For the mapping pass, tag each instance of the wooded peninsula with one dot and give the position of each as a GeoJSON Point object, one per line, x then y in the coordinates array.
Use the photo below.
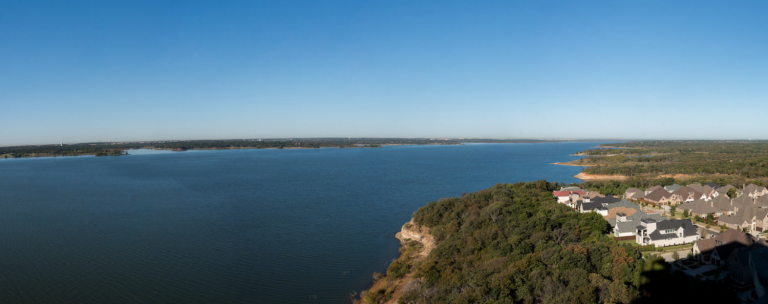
{"type": "Point", "coordinates": [513, 243]}
{"type": "Point", "coordinates": [725, 162]}
{"type": "Point", "coordinates": [119, 148]}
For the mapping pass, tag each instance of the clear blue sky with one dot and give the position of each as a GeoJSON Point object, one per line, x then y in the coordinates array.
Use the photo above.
{"type": "Point", "coordinates": [75, 71]}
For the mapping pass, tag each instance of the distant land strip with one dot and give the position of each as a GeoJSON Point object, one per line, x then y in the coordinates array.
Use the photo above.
{"type": "Point", "coordinates": [120, 148]}
{"type": "Point", "coordinates": [726, 161]}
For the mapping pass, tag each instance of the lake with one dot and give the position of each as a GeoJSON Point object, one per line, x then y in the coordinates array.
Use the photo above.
{"type": "Point", "coordinates": [232, 226]}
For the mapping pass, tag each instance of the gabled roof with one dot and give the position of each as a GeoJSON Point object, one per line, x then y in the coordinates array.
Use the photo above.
{"type": "Point", "coordinates": [743, 201]}
{"type": "Point", "coordinates": [593, 194]}
{"type": "Point", "coordinates": [762, 202]}
{"type": "Point", "coordinates": [633, 221]}
{"type": "Point", "coordinates": [713, 185]}
{"type": "Point", "coordinates": [699, 206]}
{"type": "Point", "coordinates": [707, 190]}
{"type": "Point", "coordinates": [706, 245]}
{"type": "Point", "coordinates": [567, 193]}
{"type": "Point", "coordinates": [634, 193]}
{"type": "Point", "coordinates": [731, 240]}
{"type": "Point", "coordinates": [657, 195]}
{"type": "Point", "coordinates": [572, 188]}
{"type": "Point", "coordinates": [686, 192]}
{"type": "Point", "coordinates": [688, 229]}
{"type": "Point", "coordinates": [697, 187]}
{"type": "Point", "coordinates": [732, 219]}
{"type": "Point", "coordinates": [752, 188]}
{"type": "Point", "coordinates": [623, 206]}
{"type": "Point", "coordinates": [672, 188]}
{"type": "Point", "coordinates": [609, 199]}
{"type": "Point", "coordinates": [589, 206]}
{"type": "Point", "coordinates": [653, 188]}
{"type": "Point", "coordinates": [723, 203]}
{"type": "Point", "coordinates": [724, 189]}
{"type": "Point", "coordinates": [727, 237]}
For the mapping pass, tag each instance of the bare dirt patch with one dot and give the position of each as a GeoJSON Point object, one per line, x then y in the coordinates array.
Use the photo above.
{"type": "Point", "coordinates": [599, 177]}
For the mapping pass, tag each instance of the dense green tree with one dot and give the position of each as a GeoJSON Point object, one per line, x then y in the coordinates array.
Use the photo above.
{"type": "Point", "coordinates": [516, 244]}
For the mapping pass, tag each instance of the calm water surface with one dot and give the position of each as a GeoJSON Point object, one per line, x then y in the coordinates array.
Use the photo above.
{"type": "Point", "coordinates": [234, 226]}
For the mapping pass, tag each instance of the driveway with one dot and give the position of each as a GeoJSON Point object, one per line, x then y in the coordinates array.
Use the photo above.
{"type": "Point", "coordinates": [670, 258]}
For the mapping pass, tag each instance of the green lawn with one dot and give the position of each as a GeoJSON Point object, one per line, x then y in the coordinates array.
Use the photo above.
{"type": "Point", "coordinates": [678, 247]}
{"type": "Point", "coordinates": [627, 242]}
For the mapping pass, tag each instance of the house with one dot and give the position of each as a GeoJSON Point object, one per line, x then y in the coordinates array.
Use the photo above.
{"type": "Point", "coordinates": [597, 204]}
{"type": "Point", "coordinates": [672, 188]}
{"type": "Point", "coordinates": [665, 233]}
{"type": "Point", "coordinates": [738, 263]}
{"type": "Point", "coordinates": [686, 194]}
{"type": "Point", "coordinates": [592, 194]}
{"type": "Point", "coordinates": [564, 197]}
{"type": "Point", "coordinates": [624, 225]}
{"type": "Point", "coordinates": [753, 191]}
{"type": "Point", "coordinates": [623, 206]}
{"type": "Point", "coordinates": [761, 202]}
{"type": "Point", "coordinates": [651, 189]}
{"type": "Point", "coordinates": [700, 208]}
{"type": "Point", "coordinates": [717, 249]}
{"type": "Point", "coordinates": [750, 219]}
{"type": "Point", "coordinates": [658, 196]}
{"type": "Point", "coordinates": [758, 265]}
{"type": "Point", "coordinates": [708, 191]}
{"type": "Point", "coordinates": [697, 187]}
{"type": "Point", "coordinates": [722, 190]}
{"type": "Point", "coordinates": [712, 185]}
{"type": "Point", "coordinates": [742, 201]}
{"type": "Point", "coordinates": [634, 193]}
{"type": "Point", "coordinates": [572, 188]}
{"type": "Point", "coordinates": [724, 204]}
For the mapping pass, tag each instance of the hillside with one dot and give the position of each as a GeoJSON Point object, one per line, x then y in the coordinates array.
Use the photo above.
{"type": "Point", "coordinates": [513, 243]}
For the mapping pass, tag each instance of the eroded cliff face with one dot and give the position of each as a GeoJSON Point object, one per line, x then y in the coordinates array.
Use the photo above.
{"type": "Point", "coordinates": [412, 231]}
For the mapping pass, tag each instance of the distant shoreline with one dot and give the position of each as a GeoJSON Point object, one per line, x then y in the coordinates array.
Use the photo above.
{"type": "Point", "coordinates": [569, 164]}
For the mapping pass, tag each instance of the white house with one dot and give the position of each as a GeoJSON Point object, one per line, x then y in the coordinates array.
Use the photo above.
{"type": "Point", "coordinates": [665, 233]}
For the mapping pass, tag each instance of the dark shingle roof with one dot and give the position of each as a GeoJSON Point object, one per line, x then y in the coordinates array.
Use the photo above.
{"type": "Point", "coordinates": [724, 189]}
{"type": "Point", "coordinates": [686, 191]}
{"type": "Point", "coordinates": [605, 200]}
{"type": "Point", "coordinates": [713, 185]}
{"type": "Point", "coordinates": [697, 187]}
{"type": "Point", "coordinates": [657, 195]}
{"type": "Point", "coordinates": [688, 229]}
{"type": "Point", "coordinates": [723, 203]}
{"type": "Point", "coordinates": [699, 206]}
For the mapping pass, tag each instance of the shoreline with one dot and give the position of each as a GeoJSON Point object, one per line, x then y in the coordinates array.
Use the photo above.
{"type": "Point", "coordinates": [410, 231]}
{"type": "Point", "coordinates": [599, 177]}
{"type": "Point", "coordinates": [570, 164]}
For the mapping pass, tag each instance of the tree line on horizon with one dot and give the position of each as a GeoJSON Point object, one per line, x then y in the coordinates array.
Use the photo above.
{"type": "Point", "coordinates": [105, 149]}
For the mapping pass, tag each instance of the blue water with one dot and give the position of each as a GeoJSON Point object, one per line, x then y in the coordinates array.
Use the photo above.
{"type": "Point", "coordinates": [234, 226]}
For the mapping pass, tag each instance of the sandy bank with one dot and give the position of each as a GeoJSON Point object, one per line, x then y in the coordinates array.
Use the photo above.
{"type": "Point", "coordinates": [570, 164]}
{"type": "Point", "coordinates": [599, 177]}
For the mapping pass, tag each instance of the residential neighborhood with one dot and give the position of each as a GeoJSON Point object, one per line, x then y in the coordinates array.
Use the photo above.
{"type": "Point", "coordinates": [719, 234]}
